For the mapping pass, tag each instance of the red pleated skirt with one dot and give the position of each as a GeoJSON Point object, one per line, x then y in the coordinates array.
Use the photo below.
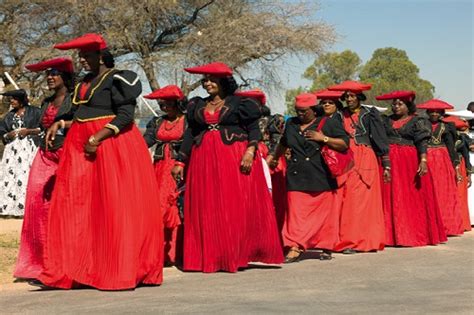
{"type": "Point", "coordinates": [279, 193]}
{"type": "Point", "coordinates": [105, 228]}
{"type": "Point", "coordinates": [312, 220]}
{"type": "Point", "coordinates": [362, 225]}
{"type": "Point", "coordinates": [446, 191]}
{"type": "Point", "coordinates": [412, 214]}
{"type": "Point", "coordinates": [168, 204]}
{"type": "Point", "coordinates": [229, 219]}
{"type": "Point", "coordinates": [463, 199]}
{"type": "Point", "coordinates": [41, 180]}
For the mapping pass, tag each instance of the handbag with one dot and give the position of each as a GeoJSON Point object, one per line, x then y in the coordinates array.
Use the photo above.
{"type": "Point", "coordinates": [338, 163]}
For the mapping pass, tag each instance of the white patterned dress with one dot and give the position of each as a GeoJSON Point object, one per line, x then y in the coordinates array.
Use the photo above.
{"type": "Point", "coordinates": [14, 169]}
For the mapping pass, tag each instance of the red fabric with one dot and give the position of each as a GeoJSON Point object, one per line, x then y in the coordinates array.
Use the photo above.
{"type": "Point", "coordinates": [328, 95]}
{"type": "Point", "coordinates": [229, 216]}
{"type": "Point", "coordinates": [105, 226]}
{"type": "Point", "coordinates": [169, 92]}
{"type": "Point", "coordinates": [434, 126]}
{"type": "Point", "coordinates": [86, 42]}
{"type": "Point", "coordinates": [362, 225]}
{"type": "Point", "coordinates": [412, 214]}
{"type": "Point", "coordinates": [435, 104]}
{"type": "Point", "coordinates": [312, 220]}
{"type": "Point", "coordinates": [352, 86]}
{"type": "Point", "coordinates": [305, 100]}
{"type": "Point", "coordinates": [397, 95]}
{"type": "Point", "coordinates": [446, 192]}
{"type": "Point", "coordinates": [35, 222]}
{"type": "Point", "coordinates": [459, 123]}
{"type": "Point", "coordinates": [167, 190]}
{"type": "Point", "coordinates": [63, 64]}
{"type": "Point", "coordinates": [83, 90]}
{"type": "Point", "coordinates": [463, 200]}
{"type": "Point", "coordinates": [49, 116]}
{"type": "Point", "coordinates": [257, 94]}
{"type": "Point", "coordinates": [217, 69]}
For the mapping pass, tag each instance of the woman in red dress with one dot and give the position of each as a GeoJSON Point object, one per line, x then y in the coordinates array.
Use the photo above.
{"type": "Point", "coordinates": [166, 132]}
{"type": "Point", "coordinates": [362, 226]}
{"type": "Point", "coordinates": [412, 214]}
{"type": "Point", "coordinates": [105, 227]}
{"type": "Point", "coordinates": [228, 210]}
{"type": "Point", "coordinates": [465, 168]}
{"type": "Point", "coordinates": [312, 220]}
{"type": "Point", "coordinates": [59, 76]}
{"type": "Point", "coordinates": [443, 163]}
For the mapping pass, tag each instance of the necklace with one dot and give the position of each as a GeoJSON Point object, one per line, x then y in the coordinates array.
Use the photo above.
{"type": "Point", "coordinates": [171, 124]}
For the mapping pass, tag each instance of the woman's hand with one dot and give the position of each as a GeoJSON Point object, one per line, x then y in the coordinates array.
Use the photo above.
{"type": "Point", "coordinates": [51, 133]}
{"type": "Point", "coordinates": [422, 168]}
{"type": "Point", "coordinates": [387, 175]}
{"type": "Point", "coordinates": [314, 135]}
{"type": "Point", "coordinates": [246, 163]}
{"type": "Point", "coordinates": [469, 182]}
{"type": "Point", "coordinates": [459, 177]}
{"type": "Point", "coordinates": [177, 172]}
{"type": "Point", "coordinates": [271, 162]}
{"type": "Point", "coordinates": [23, 132]}
{"type": "Point", "coordinates": [12, 134]}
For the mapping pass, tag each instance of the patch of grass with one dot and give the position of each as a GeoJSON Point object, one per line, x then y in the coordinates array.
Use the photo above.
{"type": "Point", "coordinates": [9, 248]}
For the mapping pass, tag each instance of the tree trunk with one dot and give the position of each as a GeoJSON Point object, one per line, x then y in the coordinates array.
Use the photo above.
{"type": "Point", "coordinates": [148, 67]}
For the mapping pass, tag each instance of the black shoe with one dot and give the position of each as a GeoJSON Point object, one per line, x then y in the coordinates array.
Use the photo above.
{"type": "Point", "coordinates": [39, 284]}
{"type": "Point", "coordinates": [349, 251]}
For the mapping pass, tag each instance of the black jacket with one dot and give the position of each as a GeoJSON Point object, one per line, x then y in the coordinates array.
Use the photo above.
{"type": "Point", "coordinates": [445, 135]}
{"type": "Point", "coordinates": [31, 120]}
{"type": "Point", "coordinates": [462, 147]}
{"type": "Point", "coordinates": [417, 132]}
{"type": "Point", "coordinates": [150, 138]}
{"type": "Point", "coordinates": [306, 169]}
{"type": "Point", "coordinates": [238, 121]}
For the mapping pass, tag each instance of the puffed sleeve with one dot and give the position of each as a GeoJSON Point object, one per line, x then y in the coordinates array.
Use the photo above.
{"type": "Point", "coordinates": [449, 138]}
{"type": "Point", "coordinates": [4, 128]}
{"type": "Point", "coordinates": [378, 136]}
{"type": "Point", "coordinates": [150, 132]}
{"type": "Point", "coordinates": [188, 138]}
{"type": "Point", "coordinates": [34, 117]}
{"type": "Point", "coordinates": [250, 111]}
{"type": "Point", "coordinates": [421, 133]}
{"type": "Point", "coordinates": [126, 87]}
{"type": "Point", "coordinates": [334, 128]}
{"type": "Point", "coordinates": [464, 150]}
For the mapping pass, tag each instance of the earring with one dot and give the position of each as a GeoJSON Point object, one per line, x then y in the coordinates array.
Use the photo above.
{"type": "Point", "coordinates": [101, 62]}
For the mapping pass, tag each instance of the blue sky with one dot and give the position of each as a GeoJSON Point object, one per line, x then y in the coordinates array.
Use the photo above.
{"type": "Point", "coordinates": [436, 34]}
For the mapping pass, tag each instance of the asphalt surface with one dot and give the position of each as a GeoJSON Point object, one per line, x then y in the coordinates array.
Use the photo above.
{"type": "Point", "coordinates": [428, 280]}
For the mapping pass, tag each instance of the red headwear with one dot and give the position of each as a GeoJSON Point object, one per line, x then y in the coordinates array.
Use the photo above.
{"type": "Point", "coordinates": [257, 94]}
{"type": "Point", "coordinates": [169, 92]}
{"type": "Point", "coordinates": [217, 69]}
{"type": "Point", "coordinates": [86, 42]}
{"type": "Point", "coordinates": [328, 95]}
{"type": "Point", "coordinates": [397, 95]}
{"type": "Point", "coordinates": [435, 104]}
{"type": "Point", "coordinates": [306, 100]}
{"type": "Point", "coordinates": [351, 86]}
{"type": "Point", "coordinates": [458, 122]}
{"type": "Point", "coordinates": [63, 64]}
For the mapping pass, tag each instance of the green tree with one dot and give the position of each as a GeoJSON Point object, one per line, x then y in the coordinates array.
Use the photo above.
{"type": "Point", "coordinates": [290, 100]}
{"type": "Point", "coordinates": [391, 69]}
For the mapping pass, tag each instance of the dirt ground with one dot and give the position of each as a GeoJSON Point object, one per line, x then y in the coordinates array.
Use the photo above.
{"type": "Point", "coordinates": [10, 230]}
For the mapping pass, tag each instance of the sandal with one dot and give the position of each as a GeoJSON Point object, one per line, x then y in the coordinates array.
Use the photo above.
{"type": "Point", "coordinates": [325, 255]}
{"type": "Point", "coordinates": [290, 258]}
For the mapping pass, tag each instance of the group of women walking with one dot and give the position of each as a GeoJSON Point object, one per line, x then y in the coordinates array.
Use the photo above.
{"type": "Point", "coordinates": [228, 184]}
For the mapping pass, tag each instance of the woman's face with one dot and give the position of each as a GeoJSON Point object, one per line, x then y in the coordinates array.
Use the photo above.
{"type": "Point", "coordinates": [351, 100]}
{"type": "Point", "coordinates": [399, 108]}
{"type": "Point", "coordinates": [211, 85]}
{"type": "Point", "coordinates": [435, 114]}
{"type": "Point", "coordinates": [329, 107]}
{"type": "Point", "coordinates": [90, 60]}
{"type": "Point", "coordinates": [54, 79]}
{"type": "Point", "coordinates": [169, 107]}
{"type": "Point", "coordinates": [305, 115]}
{"type": "Point", "coordinates": [15, 103]}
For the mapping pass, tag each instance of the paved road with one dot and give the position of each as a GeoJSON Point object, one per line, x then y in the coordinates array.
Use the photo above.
{"type": "Point", "coordinates": [430, 280]}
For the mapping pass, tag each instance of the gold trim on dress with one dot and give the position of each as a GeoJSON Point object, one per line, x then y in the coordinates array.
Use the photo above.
{"type": "Point", "coordinates": [114, 128]}
{"type": "Point", "coordinates": [76, 90]}
{"type": "Point", "coordinates": [93, 118]}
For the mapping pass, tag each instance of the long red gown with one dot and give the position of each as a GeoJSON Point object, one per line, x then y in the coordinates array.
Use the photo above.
{"type": "Point", "coordinates": [463, 200]}
{"type": "Point", "coordinates": [229, 216]}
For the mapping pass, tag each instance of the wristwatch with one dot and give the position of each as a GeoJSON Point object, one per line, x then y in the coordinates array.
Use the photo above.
{"type": "Point", "coordinates": [326, 139]}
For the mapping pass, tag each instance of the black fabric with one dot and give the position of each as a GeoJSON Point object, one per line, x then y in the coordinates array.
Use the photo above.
{"type": "Point", "coordinates": [238, 121]}
{"type": "Point", "coordinates": [445, 135]}
{"type": "Point", "coordinates": [306, 169]}
{"type": "Point", "coordinates": [114, 95]}
{"type": "Point", "coordinates": [150, 138]}
{"type": "Point", "coordinates": [31, 120]}
{"type": "Point", "coordinates": [415, 132]}
{"type": "Point", "coordinates": [462, 147]}
{"type": "Point", "coordinates": [19, 94]}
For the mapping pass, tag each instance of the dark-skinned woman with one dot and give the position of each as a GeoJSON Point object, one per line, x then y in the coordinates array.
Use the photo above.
{"type": "Point", "coordinates": [465, 168]}
{"type": "Point", "coordinates": [105, 226]}
{"type": "Point", "coordinates": [228, 211]}
{"type": "Point", "coordinates": [312, 220]}
{"type": "Point", "coordinates": [166, 132]}
{"type": "Point", "coordinates": [19, 131]}
{"type": "Point", "coordinates": [362, 219]}
{"type": "Point", "coordinates": [412, 215]}
{"type": "Point", "coordinates": [59, 76]}
{"type": "Point", "coordinates": [443, 163]}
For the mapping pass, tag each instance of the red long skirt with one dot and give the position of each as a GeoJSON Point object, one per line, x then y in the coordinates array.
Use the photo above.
{"type": "Point", "coordinates": [41, 180]}
{"type": "Point", "coordinates": [362, 225]}
{"type": "Point", "coordinates": [105, 228]}
{"type": "Point", "coordinates": [446, 191]}
{"type": "Point", "coordinates": [412, 215]}
{"type": "Point", "coordinates": [463, 200]}
{"type": "Point", "coordinates": [312, 220]}
{"type": "Point", "coordinates": [229, 217]}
